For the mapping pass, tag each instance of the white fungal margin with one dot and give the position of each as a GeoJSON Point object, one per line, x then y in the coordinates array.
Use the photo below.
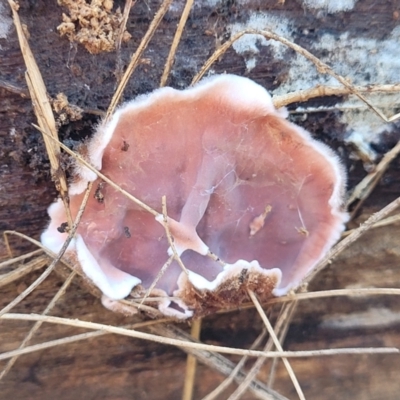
{"type": "Point", "coordinates": [113, 282]}
{"type": "Point", "coordinates": [230, 271]}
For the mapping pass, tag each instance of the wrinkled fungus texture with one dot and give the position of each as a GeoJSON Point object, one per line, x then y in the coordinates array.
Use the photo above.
{"type": "Point", "coordinates": [239, 180]}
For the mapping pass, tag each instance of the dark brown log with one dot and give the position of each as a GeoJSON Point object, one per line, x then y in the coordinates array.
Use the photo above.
{"type": "Point", "coordinates": [113, 367]}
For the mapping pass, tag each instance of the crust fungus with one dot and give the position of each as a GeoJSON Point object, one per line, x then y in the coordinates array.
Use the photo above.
{"type": "Point", "coordinates": [253, 201]}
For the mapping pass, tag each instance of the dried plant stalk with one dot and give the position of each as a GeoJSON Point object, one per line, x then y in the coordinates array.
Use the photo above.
{"type": "Point", "coordinates": [44, 114]}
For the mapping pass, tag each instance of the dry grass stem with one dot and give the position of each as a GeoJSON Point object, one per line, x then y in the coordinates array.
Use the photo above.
{"type": "Point", "coordinates": [191, 363]}
{"type": "Point", "coordinates": [324, 91]}
{"type": "Point", "coordinates": [152, 299]}
{"type": "Point", "coordinates": [216, 361]}
{"type": "Point", "coordinates": [224, 385]}
{"type": "Point", "coordinates": [277, 344]}
{"type": "Point", "coordinates": [169, 236]}
{"type": "Point", "coordinates": [281, 327]}
{"type": "Point", "coordinates": [338, 293]}
{"type": "Point", "coordinates": [155, 281]}
{"type": "Point", "coordinates": [367, 185]}
{"type": "Point", "coordinates": [321, 294]}
{"type": "Point", "coordinates": [373, 219]}
{"type": "Point", "coordinates": [136, 57]}
{"type": "Point", "coordinates": [174, 256]}
{"type": "Point", "coordinates": [150, 311]}
{"type": "Point", "coordinates": [24, 269]}
{"type": "Point", "coordinates": [118, 42]}
{"type": "Point", "coordinates": [394, 219]}
{"type": "Point", "coordinates": [175, 42]}
{"type": "Point", "coordinates": [43, 111]}
{"type": "Point", "coordinates": [29, 239]}
{"type": "Point", "coordinates": [200, 346]}
{"type": "Point", "coordinates": [52, 265]}
{"type": "Point", "coordinates": [38, 324]}
{"type": "Point", "coordinates": [22, 257]}
{"type": "Point", "coordinates": [71, 339]}
{"type": "Point", "coordinates": [13, 88]}
{"type": "Point", "coordinates": [125, 15]}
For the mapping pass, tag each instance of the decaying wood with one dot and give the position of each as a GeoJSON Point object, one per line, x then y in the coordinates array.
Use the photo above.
{"type": "Point", "coordinates": [115, 367]}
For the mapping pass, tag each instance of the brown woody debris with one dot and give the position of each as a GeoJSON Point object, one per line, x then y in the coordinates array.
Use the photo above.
{"type": "Point", "coordinates": [66, 112]}
{"type": "Point", "coordinates": [92, 24]}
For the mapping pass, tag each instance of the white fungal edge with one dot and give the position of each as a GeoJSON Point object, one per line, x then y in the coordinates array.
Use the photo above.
{"type": "Point", "coordinates": [116, 287]}
{"type": "Point", "coordinates": [51, 238]}
{"type": "Point", "coordinates": [230, 271]}
{"type": "Point", "coordinates": [335, 202]}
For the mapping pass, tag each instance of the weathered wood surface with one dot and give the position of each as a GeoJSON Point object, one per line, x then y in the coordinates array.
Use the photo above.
{"type": "Point", "coordinates": [114, 367]}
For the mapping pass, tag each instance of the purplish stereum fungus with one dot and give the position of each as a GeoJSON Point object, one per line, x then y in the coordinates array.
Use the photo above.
{"type": "Point", "coordinates": [253, 201]}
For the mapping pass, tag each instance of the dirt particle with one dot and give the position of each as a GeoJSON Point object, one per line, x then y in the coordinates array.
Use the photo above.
{"type": "Point", "coordinates": [125, 146]}
{"type": "Point", "coordinates": [127, 232]}
{"type": "Point", "coordinates": [98, 195]}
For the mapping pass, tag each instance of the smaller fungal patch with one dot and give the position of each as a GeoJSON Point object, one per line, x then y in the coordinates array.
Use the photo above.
{"type": "Point", "coordinates": [253, 202]}
{"type": "Point", "coordinates": [92, 24]}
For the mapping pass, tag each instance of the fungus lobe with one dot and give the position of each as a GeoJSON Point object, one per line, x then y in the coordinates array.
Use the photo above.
{"type": "Point", "coordinates": [240, 182]}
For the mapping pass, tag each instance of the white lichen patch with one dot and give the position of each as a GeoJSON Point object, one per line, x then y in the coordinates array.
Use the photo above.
{"type": "Point", "coordinates": [373, 318]}
{"type": "Point", "coordinates": [5, 22]}
{"type": "Point", "coordinates": [248, 45]}
{"type": "Point", "coordinates": [330, 6]}
{"type": "Point", "coordinates": [364, 61]}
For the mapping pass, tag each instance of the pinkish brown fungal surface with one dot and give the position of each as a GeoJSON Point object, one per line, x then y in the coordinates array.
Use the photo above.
{"type": "Point", "coordinates": [241, 183]}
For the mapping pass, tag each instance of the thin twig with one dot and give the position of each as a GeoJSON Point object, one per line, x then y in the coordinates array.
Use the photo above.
{"type": "Point", "coordinates": [322, 294]}
{"type": "Point", "coordinates": [50, 268]}
{"type": "Point", "coordinates": [29, 239]}
{"type": "Point", "coordinates": [13, 88]}
{"type": "Point", "coordinates": [175, 255]}
{"type": "Point", "coordinates": [175, 42]}
{"type": "Point", "coordinates": [122, 27]}
{"type": "Point", "coordinates": [217, 362]}
{"type": "Point", "coordinates": [281, 324]}
{"type": "Point", "coordinates": [277, 344]}
{"type": "Point", "coordinates": [324, 91]}
{"type": "Point", "coordinates": [321, 66]}
{"type": "Point", "coordinates": [155, 281]}
{"type": "Point", "coordinates": [38, 324]}
{"type": "Point", "coordinates": [23, 257]}
{"type": "Point", "coordinates": [33, 265]}
{"type": "Point", "coordinates": [169, 236]}
{"type": "Point", "coordinates": [285, 318]}
{"type": "Point", "coordinates": [121, 30]}
{"type": "Point", "coordinates": [384, 222]}
{"type": "Point", "coordinates": [184, 344]}
{"type": "Point", "coordinates": [191, 363]}
{"type": "Point", "coordinates": [224, 385]}
{"type": "Point", "coordinates": [136, 57]}
{"type": "Point", "coordinates": [367, 185]}
{"type": "Point", "coordinates": [373, 219]}
{"type": "Point", "coordinates": [71, 339]}
{"type": "Point", "coordinates": [43, 111]}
